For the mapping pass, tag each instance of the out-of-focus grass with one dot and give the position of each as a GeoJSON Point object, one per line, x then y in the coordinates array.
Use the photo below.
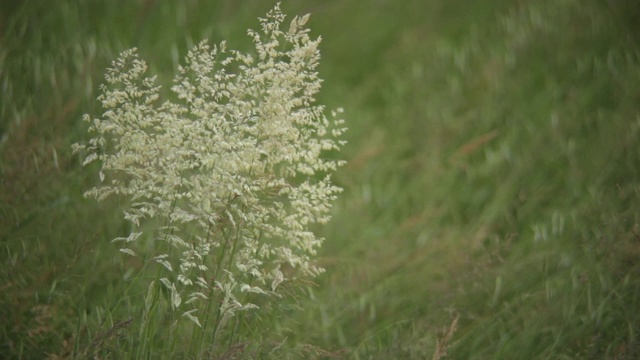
{"type": "Point", "coordinates": [493, 177]}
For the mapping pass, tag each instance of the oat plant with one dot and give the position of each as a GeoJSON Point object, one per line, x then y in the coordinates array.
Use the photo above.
{"type": "Point", "coordinates": [222, 181]}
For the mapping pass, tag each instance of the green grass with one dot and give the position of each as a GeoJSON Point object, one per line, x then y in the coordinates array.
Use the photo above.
{"type": "Point", "coordinates": [493, 178]}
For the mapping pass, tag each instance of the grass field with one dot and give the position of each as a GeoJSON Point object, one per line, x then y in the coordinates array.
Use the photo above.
{"type": "Point", "coordinates": [491, 197]}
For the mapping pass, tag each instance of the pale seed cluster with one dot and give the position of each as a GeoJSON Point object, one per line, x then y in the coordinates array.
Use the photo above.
{"type": "Point", "coordinates": [232, 167]}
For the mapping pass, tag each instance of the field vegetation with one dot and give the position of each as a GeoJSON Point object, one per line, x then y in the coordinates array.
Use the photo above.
{"type": "Point", "coordinates": [491, 204]}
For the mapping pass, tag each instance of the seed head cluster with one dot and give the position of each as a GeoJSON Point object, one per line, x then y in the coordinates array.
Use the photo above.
{"type": "Point", "coordinates": [231, 168]}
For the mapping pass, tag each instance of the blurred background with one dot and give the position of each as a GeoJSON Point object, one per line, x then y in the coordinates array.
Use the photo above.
{"type": "Point", "coordinates": [491, 194]}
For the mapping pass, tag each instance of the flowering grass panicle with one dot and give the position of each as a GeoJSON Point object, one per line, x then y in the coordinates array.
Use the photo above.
{"type": "Point", "coordinates": [232, 168]}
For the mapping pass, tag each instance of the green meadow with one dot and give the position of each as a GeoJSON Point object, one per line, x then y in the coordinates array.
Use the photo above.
{"type": "Point", "coordinates": [491, 203]}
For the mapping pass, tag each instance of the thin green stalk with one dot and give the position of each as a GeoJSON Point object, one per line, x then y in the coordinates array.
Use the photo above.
{"type": "Point", "coordinates": [143, 336]}
{"type": "Point", "coordinates": [230, 263]}
{"type": "Point", "coordinates": [233, 253]}
{"type": "Point", "coordinates": [145, 333]}
{"type": "Point", "coordinates": [173, 335]}
{"type": "Point", "coordinates": [246, 298]}
{"type": "Point", "coordinates": [212, 298]}
{"type": "Point", "coordinates": [197, 337]}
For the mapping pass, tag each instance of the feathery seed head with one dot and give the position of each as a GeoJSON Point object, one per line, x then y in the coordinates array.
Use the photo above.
{"type": "Point", "coordinates": [234, 167]}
